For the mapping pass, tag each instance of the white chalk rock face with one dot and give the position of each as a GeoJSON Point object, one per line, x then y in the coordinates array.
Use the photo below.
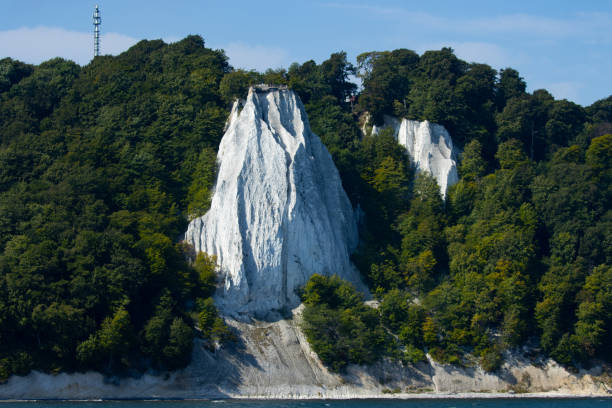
{"type": "Point", "coordinates": [429, 146]}
{"type": "Point", "coordinates": [279, 213]}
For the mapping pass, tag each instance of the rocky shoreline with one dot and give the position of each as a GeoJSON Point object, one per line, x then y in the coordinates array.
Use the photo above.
{"type": "Point", "coordinates": [273, 360]}
{"type": "Point", "coordinates": [401, 396]}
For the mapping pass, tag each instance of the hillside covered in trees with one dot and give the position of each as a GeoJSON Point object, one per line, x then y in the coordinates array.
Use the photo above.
{"type": "Point", "coordinates": [102, 167]}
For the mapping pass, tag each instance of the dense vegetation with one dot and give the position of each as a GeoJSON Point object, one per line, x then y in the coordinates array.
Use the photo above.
{"type": "Point", "coordinates": [335, 310]}
{"type": "Point", "coordinates": [102, 166]}
{"type": "Point", "coordinates": [519, 252]}
{"type": "Point", "coordinates": [99, 168]}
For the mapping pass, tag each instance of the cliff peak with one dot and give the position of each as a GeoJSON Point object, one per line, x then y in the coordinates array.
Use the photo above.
{"type": "Point", "coordinates": [279, 213]}
{"type": "Point", "coordinates": [429, 146]}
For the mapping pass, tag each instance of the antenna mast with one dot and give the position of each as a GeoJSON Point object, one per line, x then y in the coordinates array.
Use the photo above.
{"type": "Point", "coordinates": [97, 20]}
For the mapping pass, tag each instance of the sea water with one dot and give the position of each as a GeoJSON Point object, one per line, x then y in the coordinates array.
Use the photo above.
{"type": "Point", "coordinates": [416, 403]}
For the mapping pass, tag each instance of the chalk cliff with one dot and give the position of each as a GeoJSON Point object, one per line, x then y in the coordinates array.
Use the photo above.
{"type": "Point", "coordinates": [279, 213]}
{"type": "Point", "coordinates": [429, 146]}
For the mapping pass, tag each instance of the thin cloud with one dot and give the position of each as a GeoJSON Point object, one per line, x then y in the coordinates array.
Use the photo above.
{"type": "Point", "coordinates": [38, 44]}
{"type": "Point", "coordinates": [256, 57]}
{"type": "Point", "coordinates": [582, 25]}
{"type": "Point", "coordinates": [518, 23]}
{"type": "Point", "coordinates": [407, 16]}
{"type": "Point", "coordinates": [481, 52]}
{"type": "Point", "coordinates": [570, 90]}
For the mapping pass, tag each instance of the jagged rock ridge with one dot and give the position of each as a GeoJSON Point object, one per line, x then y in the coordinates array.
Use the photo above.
{"type": "Point", "coordinates": [429, 146]}
{"type": "Point", "coordinates": [279, 213]}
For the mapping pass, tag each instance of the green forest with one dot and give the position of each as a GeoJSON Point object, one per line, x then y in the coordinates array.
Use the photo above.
{"type": "Point", "coordinates": [103, 166]}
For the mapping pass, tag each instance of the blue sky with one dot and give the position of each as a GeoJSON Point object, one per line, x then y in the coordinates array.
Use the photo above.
{"type": "Point", "coordinates": [564, 46]}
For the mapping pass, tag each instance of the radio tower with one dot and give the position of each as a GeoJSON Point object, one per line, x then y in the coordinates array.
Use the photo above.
{"type": "Point", "coordinates": [97, 20]}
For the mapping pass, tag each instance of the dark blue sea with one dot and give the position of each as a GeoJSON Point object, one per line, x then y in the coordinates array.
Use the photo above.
{"type": "Point", "coordinates": [437, 403]}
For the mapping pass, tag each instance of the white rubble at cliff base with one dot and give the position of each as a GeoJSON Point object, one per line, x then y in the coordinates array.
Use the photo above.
{"type": "Point", "coordinates": [273, 360]}
{"type": "Point", "coordinates": [279, 213]}
{"type": "Point", "coordinates": [429, 146]}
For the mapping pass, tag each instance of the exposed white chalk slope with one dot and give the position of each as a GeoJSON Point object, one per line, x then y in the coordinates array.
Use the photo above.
{"type": "Point", "coordinates": [279, 213]}
{"type": "Point", "coordinates": [429, 146]}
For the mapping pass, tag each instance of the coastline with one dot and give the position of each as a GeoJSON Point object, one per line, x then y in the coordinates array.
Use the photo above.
{"type": "Point", "coordinates": [273, 361]}
{"type": "Point", "coordinates": [378, 397]}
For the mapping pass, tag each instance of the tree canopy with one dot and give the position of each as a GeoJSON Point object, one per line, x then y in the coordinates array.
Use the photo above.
{"type": "Point", "coordinates": [102, 167]}
{"type": "Point", "coordinates": [99, 167]}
